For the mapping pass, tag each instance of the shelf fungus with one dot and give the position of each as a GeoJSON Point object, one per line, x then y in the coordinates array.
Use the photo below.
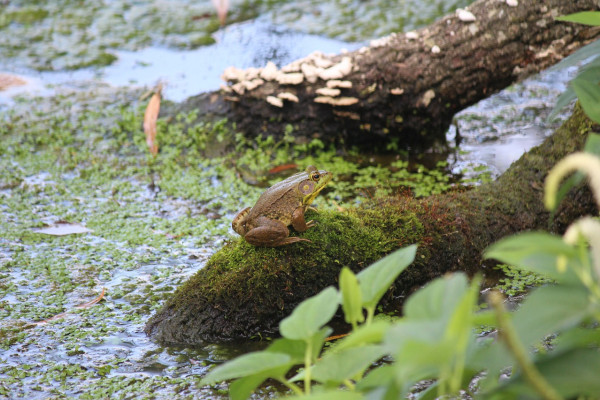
{"type": "Point", "coordinates": [337, 71]}
{"type": "Point", "coordinates": [331, 92]}
{"type": "Point", "coordinates": [336, 83]}
{"type": "Point", "coordinates": [288, 96]}
{"type": "Point", "coordinates": [274, 101]}
{"type": "Point", "coordinates": [269, 72]}
{"type": "Point", "coordinates": [337, 101]}
{"type": "Point", "coordinates": [253, 84]}
{"type": "Point", "coordinates": [294, 78]}
{"type": "Point", "coordinates": [465, 16]}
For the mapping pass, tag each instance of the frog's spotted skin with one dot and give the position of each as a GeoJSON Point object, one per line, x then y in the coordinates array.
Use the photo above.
{"type": "Point", "coordinates": [283, 204]}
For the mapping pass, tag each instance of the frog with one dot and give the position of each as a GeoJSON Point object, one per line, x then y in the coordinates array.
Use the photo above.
{"type": "Point", "coordinates": [281, 205]}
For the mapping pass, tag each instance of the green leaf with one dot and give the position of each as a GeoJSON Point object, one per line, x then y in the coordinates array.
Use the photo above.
{"type": "Point", "coordinates": [365, 334]}
{"type": "Point", "coordinates": [341, 365]}
{"type": "Point", "coordinates": [583, 54]}
{"type": "Point", "coordinates": [592, 144]}
{"type": "Point", "coordinates": [547, 310]}
{"type": "Point", "coordinates": [376, 279]}
{"type": "Point", "coordinates": [376, 378]}
{"type": "Point", "coordinates": [351, 297]}
{"type": "Point", "coordinates": [588, 91]}
{"type": "Point", "coordinates": [584, 17]}
{"type": "Point", "coordinates": [437, 299]}
{"type": "Point", "coordinates": [330, 395]}
{"type": "Point", "coordinates": [242, 388]}
{"type": "Point", "coordinates": [310, 315]}
{"type": "Point", "coordinates": [294, 348]}
{"type": "Point", "coordinates": [550, 309]}
{"type": "Point", "coordinates": [249, 364]}
{"type": "Point", "coordinates": [536, 252]}
{"type": "Point", "coordinates": [573, 375]}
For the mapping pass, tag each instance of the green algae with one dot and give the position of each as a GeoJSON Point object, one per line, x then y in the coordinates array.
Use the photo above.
{"type": "Point", "coordinates": [69, 34]}
{"type": "Point", "coordinates": [82, 157]}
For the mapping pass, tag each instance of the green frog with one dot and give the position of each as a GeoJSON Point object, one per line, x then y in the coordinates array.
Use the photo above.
{"type": "Point", "coordinates": [281, 205]}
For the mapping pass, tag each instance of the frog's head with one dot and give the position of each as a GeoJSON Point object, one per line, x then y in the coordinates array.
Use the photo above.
{"type": "Point", "coordinates": [312, 183]}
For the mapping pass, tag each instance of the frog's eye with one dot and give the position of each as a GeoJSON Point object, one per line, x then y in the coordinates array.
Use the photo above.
{"type": "Point", "coordinates": [307, 187]}
{"type": "Point", "coordinates": [314, 176]}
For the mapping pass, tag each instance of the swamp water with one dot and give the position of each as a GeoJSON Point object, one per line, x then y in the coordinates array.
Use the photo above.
{"type": "Point", "coordinates": [77, 154]}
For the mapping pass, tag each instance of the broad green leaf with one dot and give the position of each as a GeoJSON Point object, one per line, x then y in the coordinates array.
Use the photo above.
{"type": "Point", "coordinates": [547, 310]}
{"type": "Point", "coordinates": [318, 340]}
{"type": "Point", "coordinates": [248, 364]}
{"type": "Point", "coordinates": [573, 374]}
{"type": "Point", "coordinates": [365, 334]}
{"type": "Point", "coordinates": [242, 388]}
{"type": "Point", "coordinates": [294, 348]}
{"type": "Point", "coordinates": [437, 299]}
{"type": "Point", "coordinates": [587, 87]}
{"type": "Point", "coordinates": [550, 309]}
{"type": "Point", "coordinates": [378, 377]}
{"type": "Point", "coordinates": [407, 331]}
{"type": "Point", "coordinates": [310, 315]}
{"type": "Point", "coordinates": [351, 297]}
{"type": "Point", "coordinates": [592, 144]}
{"type": "Point", "coordinates": [330, 395]}
{"type": "Point", "coordinates": [536, 252]}
{"type": "Point", "coordinates": [577, 338]}
{"type": "Point", "coordinates": [584, 17]}
{"type": "Point", "coordinates": [341, 365]}
{"type": "Point", "coordinates": [376, 279]}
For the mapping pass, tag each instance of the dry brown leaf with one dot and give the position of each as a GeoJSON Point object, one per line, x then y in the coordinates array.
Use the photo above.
{"type": "Point", "coordinates": [84, 305]}
{"type": "Point", "coordinates": [222, 6]}
{"type": "Point", "coordinates": [150, 118]}
{"type": "Point", "coordinates": [8, 81]}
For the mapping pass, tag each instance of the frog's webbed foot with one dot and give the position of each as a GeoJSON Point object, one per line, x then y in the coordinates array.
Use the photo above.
{"type": "Point", "coordinates": [310, 224]}
{"type": "Point", "coordinates": [238, 223]}
{"type": "Point", "coordinates": [312, 209]}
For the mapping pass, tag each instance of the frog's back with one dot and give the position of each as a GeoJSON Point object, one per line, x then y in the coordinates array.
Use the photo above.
{"type": "Point", "coordinates": [279, 201]}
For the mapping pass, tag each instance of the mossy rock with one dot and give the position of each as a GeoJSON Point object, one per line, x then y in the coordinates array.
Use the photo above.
{"type": "Point", "coordinates": [245, 290]}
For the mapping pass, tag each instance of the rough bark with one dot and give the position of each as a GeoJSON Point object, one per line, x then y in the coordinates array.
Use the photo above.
{"type": "Point", "coordinates": [404, 86]}
{"type": "Point", "coordinates": [245, 290]}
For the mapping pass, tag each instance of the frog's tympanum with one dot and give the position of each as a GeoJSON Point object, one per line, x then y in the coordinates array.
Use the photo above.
{"type": "Point", "coordinates": [283, 204]}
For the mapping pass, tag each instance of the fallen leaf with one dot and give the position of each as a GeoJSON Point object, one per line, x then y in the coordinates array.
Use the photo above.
{"type": "Point", "coordinates": [8, 81]}
{"type": "Point", "coordinates": [150, 118]}
{"type": "Point", "coordinates": [63, 314]}
{"type": "Point", "coordinates": [92, 302]}
{"type": "Point", "coordinates": [221, 6]}
{"type": "Point", "coordinates": [62, 228]}
{"type": "Point", "coordinates": [280, 168]}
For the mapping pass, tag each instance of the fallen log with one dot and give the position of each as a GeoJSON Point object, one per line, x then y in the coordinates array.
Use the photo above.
{"type": "Point", "coordinates": [245, 290]}
{"type": "Point", "coordinates": [404, 86]}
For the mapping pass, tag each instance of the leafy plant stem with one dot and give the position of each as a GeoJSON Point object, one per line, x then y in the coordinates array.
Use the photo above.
{"type": "Point", "coordinates": [370, 314]}
{"type": "Point", "coordinates": [509, 335]}
{"type": "Point", "coordinates": [349, 384]}
{"type": "Point", "coordinates": [307, 364]}
{"type": "Point", "coordinates": [290, 385]}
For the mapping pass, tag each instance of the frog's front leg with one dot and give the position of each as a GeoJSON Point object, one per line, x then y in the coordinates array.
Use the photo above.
{"type": "Point", "coordinates": [271, 233]}
{"type": "Point", "coordinates": [298, 221]}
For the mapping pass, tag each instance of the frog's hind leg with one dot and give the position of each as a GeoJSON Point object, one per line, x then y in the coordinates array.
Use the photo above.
{"type": "Point", "coordinates": [270, 233]}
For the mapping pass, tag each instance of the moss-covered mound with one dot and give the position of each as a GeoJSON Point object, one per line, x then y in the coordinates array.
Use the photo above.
{"type": "Point", "coordinates": [246, 290]}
